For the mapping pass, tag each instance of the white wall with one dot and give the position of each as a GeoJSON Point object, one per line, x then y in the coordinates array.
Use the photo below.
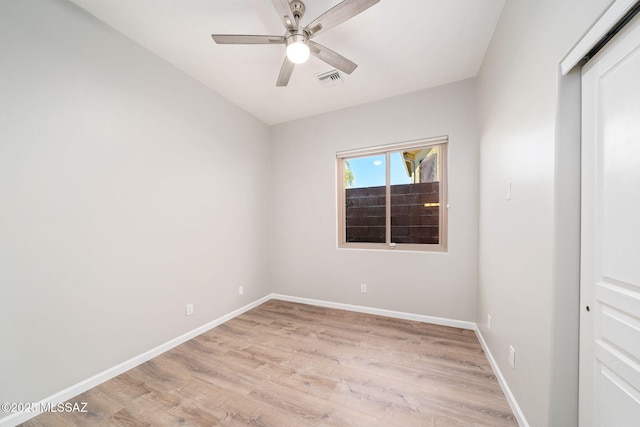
{"type": "Point", "coordinates": [127, 190]}
{"type": "Point", "coordinates": [528, 246]}
{"type": "Point", "coordinates": [305, 261]}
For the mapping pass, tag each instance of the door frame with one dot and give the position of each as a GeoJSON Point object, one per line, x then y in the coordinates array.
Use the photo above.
{"type": "Point", "coordinates": [610, 23]}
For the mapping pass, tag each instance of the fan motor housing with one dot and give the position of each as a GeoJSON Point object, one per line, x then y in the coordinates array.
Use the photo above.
{"type": "Point", "coordinates": [298, 36]}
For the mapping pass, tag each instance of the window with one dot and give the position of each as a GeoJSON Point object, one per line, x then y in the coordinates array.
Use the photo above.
{"type": "Point", "coordinates": [394, 196]}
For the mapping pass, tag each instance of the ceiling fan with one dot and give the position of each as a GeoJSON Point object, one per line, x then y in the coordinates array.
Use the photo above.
{"type": "Point", "coordinates": [298, 39]}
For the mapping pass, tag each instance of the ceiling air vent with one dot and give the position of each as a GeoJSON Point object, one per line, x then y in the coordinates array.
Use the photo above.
{"type": "Point", "coordinates": [330, 78]}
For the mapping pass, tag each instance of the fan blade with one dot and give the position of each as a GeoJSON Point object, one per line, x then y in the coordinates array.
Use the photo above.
{"type": "Point", "coordinates": [285, 72]}
{"type": "Point", "coordinates": [332, 58]}
{"type": "Point", "coordinates": [285, 13]}
{"type": "Point", "coordinates": [244, 39]}
{"type": "Point", "coordinates": [338, 14]}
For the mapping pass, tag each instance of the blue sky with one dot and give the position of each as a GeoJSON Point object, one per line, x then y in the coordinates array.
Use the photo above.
{"type": "Point", "coordinates": [370, 171]}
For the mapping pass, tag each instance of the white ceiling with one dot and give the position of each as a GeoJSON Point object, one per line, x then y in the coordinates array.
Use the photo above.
{"type": "Point", "coordinates": [400, 46]}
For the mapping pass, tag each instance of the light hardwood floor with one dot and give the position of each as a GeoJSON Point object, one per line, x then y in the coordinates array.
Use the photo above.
{"type": "Point", "coordinates": [288, 364]}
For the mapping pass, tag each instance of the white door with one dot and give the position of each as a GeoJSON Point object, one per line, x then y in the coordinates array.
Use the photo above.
{"type": "Point", "coordinates": [610, 246]}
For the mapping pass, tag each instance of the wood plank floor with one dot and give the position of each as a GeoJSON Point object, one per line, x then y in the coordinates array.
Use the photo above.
{"type": "Point", "coordinates": [287, 364]}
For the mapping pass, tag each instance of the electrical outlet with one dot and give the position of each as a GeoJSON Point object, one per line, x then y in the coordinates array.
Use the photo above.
{"type": "Point", "coordinates": [488, 321]}
{"type": "Point", "coordinates": [240, 290]}
{"type": "Point", "coordinates": [189, 309]}
{"type": "Point", "coordinates": [512, 357]}
{"type": "Point", "coordinates": [363, 288]}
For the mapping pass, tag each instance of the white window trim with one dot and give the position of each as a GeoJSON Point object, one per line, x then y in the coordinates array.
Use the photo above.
{"type": "Point", "coordinates": [361, 152]}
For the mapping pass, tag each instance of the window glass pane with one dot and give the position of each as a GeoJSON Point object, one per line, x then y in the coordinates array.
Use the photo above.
{"type": "Point", "coordinates": [365, 199]}
{"type": "Point", "coordinates": [399, 173]}
{"type": "Point", "coordinates": [415, 195]}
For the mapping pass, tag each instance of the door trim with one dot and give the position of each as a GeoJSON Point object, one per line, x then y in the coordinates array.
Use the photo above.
{"type": "Point", "coordinates": [618, 14]}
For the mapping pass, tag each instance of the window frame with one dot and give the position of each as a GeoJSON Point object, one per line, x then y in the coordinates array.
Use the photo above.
{"type": "Point", "coordinates": [386, 150]}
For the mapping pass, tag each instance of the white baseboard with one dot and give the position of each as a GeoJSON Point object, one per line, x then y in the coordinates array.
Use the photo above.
{"type": "Point", "coordinates": [380, 312]}
{"type": "Point", "coordinates": [515, 408]}
{"type": "Point", "coordinates": [68, 393]}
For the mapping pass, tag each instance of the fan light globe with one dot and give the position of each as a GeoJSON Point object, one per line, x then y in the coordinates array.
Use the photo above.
{"type": "Point", "coordinates": [298, 52]}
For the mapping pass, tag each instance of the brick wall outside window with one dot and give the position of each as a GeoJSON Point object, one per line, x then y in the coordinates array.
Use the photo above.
{"type": "Point", "coordinates": [411, 221]}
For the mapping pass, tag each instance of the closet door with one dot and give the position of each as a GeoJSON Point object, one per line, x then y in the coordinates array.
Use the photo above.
{"type": "Point", "coordinates": [610, 246]}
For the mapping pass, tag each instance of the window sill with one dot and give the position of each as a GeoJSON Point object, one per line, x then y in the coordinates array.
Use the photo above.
{"type": "Point", "coordinates": [431, 249]}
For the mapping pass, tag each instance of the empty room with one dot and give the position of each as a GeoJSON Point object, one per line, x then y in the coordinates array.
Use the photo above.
{"type": "Point", "coordinates": [319, 213]}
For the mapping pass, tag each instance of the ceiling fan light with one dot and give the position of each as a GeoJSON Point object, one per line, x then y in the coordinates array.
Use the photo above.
{"type": "Point", "coordinates": [298, 52]}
